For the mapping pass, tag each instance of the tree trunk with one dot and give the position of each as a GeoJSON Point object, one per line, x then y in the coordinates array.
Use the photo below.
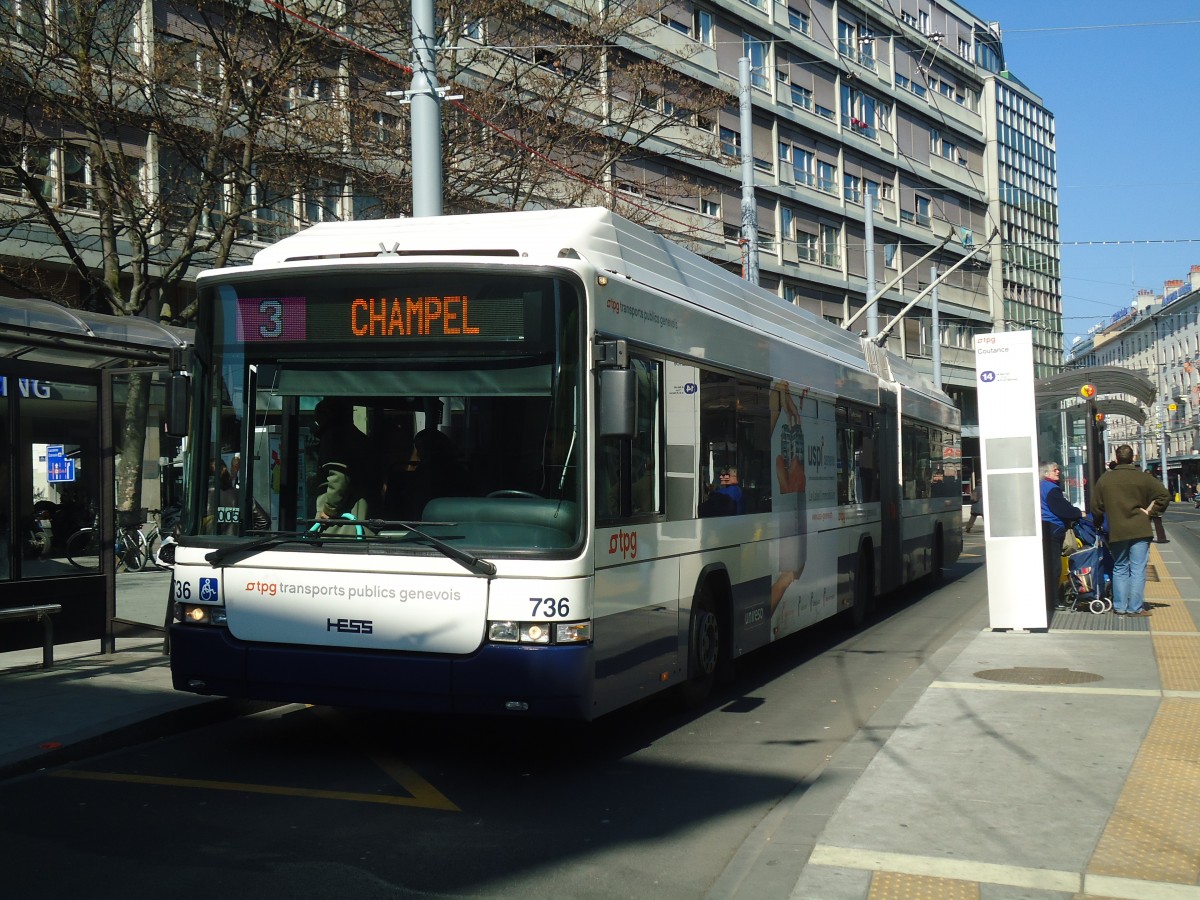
{"type": "Point", "coordinates": [133, 441]}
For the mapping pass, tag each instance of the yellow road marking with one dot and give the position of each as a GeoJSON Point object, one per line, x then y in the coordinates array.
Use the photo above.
{"type": "Point", "coordinates": [426, 797]}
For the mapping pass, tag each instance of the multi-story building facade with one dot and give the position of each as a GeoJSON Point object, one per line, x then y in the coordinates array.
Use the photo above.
{"type": "Point", "coordinates": [1158, 336]}
{"type": "Point", "coordinates": [1026, 284]}
{"type": "Point", "coordinates": [902, 105]}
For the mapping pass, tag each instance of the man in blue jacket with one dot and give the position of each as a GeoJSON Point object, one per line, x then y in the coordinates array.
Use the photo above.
{"type": "Point", "coordinates": [1057, 516]}
{"type": "Point", "coordinates": [1129, 498]}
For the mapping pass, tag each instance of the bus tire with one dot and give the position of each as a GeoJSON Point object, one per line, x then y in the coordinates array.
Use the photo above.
{"type": "Point", "coordinates": [937, 557]}
{"type": "Point", "coordinates": [864, 588]}
{"type": "Point", "coordinates": [704, 649]}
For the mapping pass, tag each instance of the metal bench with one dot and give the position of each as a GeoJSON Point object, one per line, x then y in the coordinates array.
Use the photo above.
{"type": "Point", "coordinates": [42, 614]}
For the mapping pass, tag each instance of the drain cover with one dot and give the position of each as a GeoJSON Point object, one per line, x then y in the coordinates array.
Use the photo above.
{"type": "Point", "coordinates": [1031, 675]}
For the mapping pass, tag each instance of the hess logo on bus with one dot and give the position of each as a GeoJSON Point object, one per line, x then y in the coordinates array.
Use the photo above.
{"type": "Point", "coordinates": [350, 626]}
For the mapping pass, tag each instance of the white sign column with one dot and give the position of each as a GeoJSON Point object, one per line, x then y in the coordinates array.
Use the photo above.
{"type": "Point", "coordinates": [1011, 493]}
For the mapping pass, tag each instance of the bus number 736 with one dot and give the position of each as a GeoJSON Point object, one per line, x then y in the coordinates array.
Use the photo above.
{"type": "Point", "coordinates": [550, 608]}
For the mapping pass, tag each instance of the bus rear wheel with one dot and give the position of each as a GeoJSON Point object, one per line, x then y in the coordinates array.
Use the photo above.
{"type": "Point", "coordinates": [704, 650]}
{"type": "Point", "coordinates": [864, 590]}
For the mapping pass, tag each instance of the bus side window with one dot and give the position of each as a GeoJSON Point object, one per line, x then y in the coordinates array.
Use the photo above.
{"type": "Point", "coordinates": [735, 438]}
{"type": "Point", "coordinates": [858, 478]}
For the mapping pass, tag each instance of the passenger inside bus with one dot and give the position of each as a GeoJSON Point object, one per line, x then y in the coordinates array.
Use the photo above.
{"type": "Point", "coordinates": [340, 499]}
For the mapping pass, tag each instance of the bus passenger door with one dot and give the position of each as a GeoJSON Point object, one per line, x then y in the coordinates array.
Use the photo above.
{"type": "Point", "coordinates": [636, 596]}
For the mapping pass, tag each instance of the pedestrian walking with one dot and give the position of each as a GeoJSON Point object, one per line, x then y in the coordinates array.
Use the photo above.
{"type": "Point", "coordinates": [1129, 499]}
{"type": "Point", "coordinates": [976, 506]}
{"type": "Point", "coordinates": [1057, 516]}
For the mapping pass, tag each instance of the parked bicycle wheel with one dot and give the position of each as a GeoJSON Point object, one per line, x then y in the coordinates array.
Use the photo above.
{"type": "Point", "coordinates": [154, 550]}
{"type": "Point", "coordinates": [83, 548]}
{"type": "Point", "coordinates": [131, 550]}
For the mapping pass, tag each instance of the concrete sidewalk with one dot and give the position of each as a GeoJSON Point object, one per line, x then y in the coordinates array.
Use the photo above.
{"type": "Point", "coordinates": [91, 700]}
{"type": "Point", "coordinates": [1048, 765]}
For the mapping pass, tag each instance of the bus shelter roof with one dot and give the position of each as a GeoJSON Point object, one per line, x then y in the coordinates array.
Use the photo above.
{"type": "Point", "coordinates": [34, 330]}
{"type": "Point", "coordinates": [1111, 406]}
{"type": "Point", "coordinates": [1054, 389]}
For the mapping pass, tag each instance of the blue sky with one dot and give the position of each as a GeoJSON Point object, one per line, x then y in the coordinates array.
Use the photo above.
{"type": "Point", "coordinates": [1121, 79]}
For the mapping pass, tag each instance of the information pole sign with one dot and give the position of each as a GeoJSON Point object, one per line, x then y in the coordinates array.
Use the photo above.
{"type": "Point", "coordinates": [1011, 498]}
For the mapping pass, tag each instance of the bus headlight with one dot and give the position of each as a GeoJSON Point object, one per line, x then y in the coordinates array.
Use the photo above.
{"type": "Point", "coordinates": [504, 632]}
{"type": "Point", "coordinates": [195, 614]}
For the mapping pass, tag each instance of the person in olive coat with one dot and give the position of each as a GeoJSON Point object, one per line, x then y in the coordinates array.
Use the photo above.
{"type": "Point", "coordinates": [1129, 498]}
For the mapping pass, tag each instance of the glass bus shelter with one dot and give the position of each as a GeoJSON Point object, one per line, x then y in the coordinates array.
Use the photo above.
{"type": "Point", "coordinates": [67, 381]}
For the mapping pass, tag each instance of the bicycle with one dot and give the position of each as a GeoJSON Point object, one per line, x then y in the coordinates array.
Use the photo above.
{"type": "Point", "coordinates": [132, 548]}
{"type": "Point", "coordinates": [157, 545]}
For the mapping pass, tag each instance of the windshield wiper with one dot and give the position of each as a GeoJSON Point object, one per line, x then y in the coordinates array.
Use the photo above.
{"type": "Point", "coordinates": [260, 543]}
{"type": "Point", "coordinates": [462, 557]}
{"type": "Point", "coordinates": [468, 560]}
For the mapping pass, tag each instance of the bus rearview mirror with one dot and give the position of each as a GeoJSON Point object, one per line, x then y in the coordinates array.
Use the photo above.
{"type": "Point", "coordinates": [177, 405]}
{"type": "Point", "coordinates": [618, 403]}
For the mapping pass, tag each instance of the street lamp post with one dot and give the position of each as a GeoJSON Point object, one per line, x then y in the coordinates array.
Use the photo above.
{"type": "Point", "coordinates": [1159, 365]}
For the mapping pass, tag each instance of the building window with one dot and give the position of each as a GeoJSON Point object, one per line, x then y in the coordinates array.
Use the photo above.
{"type": "Point", "coordinates": [830, 255]}
{"type": "Point", "coordinates": [78, 185]}
{"type": "Point", "coordinates": [674, 24]}
{"type": "Point", "coordinates": [731, 142]}
{"type": "Point", "coordinates": [756, 51]}
{"type": "Point", "coordinates": [806, 247]}
{"type": "Point", "coordinates": [323, 201]}
{"type": "Point", "coordinates": [857, 43]}
{"type": "Point", "coordinates": [803, 167]}
{"type": "Point", "coordinates": [799, 21]}
{"type": "Point", "coordinates": [826, 177]}
{"type": "Point", "coordinates": [703, 27]}
{"type": "Point", "coordinates": [475, 30]}
{"type": "Point", "coordinates": [850, 189]}
{"type": "Point", "coordinates": [36, 160]}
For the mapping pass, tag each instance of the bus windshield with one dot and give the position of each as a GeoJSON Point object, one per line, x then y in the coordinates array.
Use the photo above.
{"type": "Point", "coordinates": [373, 407]}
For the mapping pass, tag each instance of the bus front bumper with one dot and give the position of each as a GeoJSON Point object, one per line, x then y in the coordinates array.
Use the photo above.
{"type": "Point", "coordinates": [498, 679]}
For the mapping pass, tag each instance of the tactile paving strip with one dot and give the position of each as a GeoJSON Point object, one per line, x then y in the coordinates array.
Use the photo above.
{"type": "Point", "coordinates": [1178, 658]}
{"type": "Point", "coordinates": [1151, 833]}
{"type": "Point", "coordinates": [895, 886]}
{"type": "Point", "coordinates": [1159, 587]}
{"type": "Point", "coordinates": [1169, 616]}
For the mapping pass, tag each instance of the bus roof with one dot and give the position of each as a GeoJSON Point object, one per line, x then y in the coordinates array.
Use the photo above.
{"type": "Point", "coordinates": [605, 240]}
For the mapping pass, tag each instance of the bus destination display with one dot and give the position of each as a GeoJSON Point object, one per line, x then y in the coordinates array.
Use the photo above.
{"type": "Point", "coordinates": [362, 319]}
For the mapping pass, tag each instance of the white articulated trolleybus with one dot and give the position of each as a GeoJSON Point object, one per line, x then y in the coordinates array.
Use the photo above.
{"type": "Point", "coordinates": [535, 463]}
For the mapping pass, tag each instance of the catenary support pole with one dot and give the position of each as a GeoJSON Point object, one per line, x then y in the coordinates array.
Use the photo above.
{"type": "Point", "coordinates": [426, 114]}
{"type": "Point", "coordinates": [869, 230]}
{"type": "Point", "coordinates": [749, 207]}
{"type": "Point", "coordinates": [935, 336]}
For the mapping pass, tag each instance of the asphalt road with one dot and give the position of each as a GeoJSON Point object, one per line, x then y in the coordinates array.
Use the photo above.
{"type": "Point", "coordinates": [653, 801]}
